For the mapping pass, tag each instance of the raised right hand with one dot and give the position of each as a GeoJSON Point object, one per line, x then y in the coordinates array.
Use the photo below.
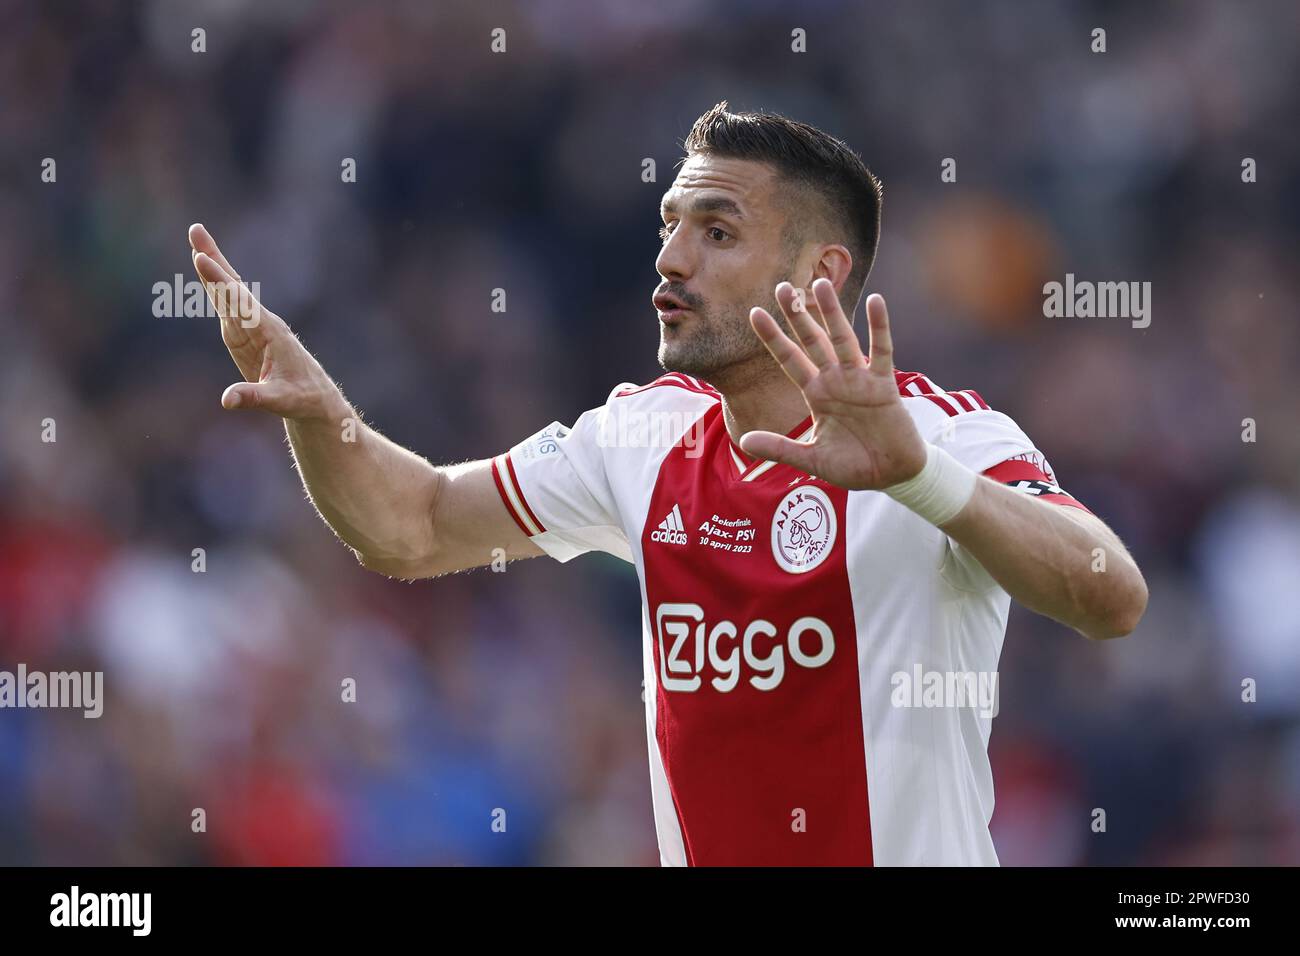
{"type": "Point", "coordinates": [280, 375]}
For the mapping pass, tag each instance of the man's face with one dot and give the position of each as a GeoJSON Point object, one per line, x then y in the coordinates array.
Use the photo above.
{"type": "Point", "coordinates": [723, 254]}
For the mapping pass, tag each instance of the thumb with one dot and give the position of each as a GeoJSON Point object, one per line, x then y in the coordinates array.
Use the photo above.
{"type": "Point", "coordinates": [267, 396]}
{"type": "Point", "coordinates": [773, 447]}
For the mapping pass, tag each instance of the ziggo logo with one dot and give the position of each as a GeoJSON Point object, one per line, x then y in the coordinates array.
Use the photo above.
{"type": "Point", "coordinates": [680, 669]}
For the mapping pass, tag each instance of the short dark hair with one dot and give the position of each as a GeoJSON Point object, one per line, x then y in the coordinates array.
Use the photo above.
{"type": "Point", "coordinates": [814, 164]}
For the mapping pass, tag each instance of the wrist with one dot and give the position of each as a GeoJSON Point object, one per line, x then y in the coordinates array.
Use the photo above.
{"type": "Point", "coordinates": [940, 490]}
{"type": "Point", "coordinates": [329, 410]}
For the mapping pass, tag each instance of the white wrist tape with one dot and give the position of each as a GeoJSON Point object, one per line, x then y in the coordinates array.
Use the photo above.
{"type": "Point", "coordinates": [939, 490]}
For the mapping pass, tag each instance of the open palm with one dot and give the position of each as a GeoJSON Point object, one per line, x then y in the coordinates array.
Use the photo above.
{"type": "Point", "coordinates": [863, 437]}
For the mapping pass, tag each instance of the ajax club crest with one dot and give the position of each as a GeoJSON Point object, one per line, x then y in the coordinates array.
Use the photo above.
{"type": "Point", "coordinates": [803, 529]}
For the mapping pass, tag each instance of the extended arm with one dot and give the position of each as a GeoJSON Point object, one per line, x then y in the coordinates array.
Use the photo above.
{"type": "Point", "coordinates": [402, 516]}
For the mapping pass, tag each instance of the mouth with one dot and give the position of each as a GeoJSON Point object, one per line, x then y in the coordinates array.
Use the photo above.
{"type": "Point", "coordinates": [671, 309]}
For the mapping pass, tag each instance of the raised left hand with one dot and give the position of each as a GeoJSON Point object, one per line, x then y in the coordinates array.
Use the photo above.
{"type": "Point", "coordinates": [863, 437]}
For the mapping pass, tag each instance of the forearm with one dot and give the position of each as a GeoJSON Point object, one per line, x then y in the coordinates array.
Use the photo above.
{"type": "Point", "coordinates": [377, 496]}
{"type": "Point", "coordinates": [1056, 560]}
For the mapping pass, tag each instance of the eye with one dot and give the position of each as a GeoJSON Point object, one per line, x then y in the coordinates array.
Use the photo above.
{"type": "Point", "coordinates": [714, 232]}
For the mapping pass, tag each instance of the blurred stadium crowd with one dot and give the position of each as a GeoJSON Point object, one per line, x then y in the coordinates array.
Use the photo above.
{"type": "Point", "coordinates": [522, 170]}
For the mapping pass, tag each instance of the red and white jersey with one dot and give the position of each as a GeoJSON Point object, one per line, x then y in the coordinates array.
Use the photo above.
{"type": "Point", "coordinates": [796, 636]}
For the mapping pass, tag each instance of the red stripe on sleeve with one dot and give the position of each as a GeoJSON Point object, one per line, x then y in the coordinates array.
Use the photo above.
{"type": "Point", "coordinates": [505, 498]}
{"type": "Point", "coordinates": [541, 528]}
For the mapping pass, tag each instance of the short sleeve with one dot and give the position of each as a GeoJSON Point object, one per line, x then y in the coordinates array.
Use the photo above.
{"type": "Point", "coordinates": [555, 486]}
{"type": "Point", "coordinates": [992, 444]}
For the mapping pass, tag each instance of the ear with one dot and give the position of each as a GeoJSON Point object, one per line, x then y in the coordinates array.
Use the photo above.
{"type": "Point", "coordinates": [835, 263]}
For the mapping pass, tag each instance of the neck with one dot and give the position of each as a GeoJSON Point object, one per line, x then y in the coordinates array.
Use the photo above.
{"type": "Point", "coordinates": [760, 399]}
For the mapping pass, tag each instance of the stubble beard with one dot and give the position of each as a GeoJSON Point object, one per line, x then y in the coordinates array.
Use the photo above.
{"type": "Point", "coordinates": [712, 347]}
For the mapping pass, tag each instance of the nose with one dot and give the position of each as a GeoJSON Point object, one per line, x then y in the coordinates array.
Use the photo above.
{"type": "Point", "coordinates": [674, 261]}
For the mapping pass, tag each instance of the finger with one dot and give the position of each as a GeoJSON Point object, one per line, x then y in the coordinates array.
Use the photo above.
{"type": "Point", "coordinates": [209, 269]}
{"type": "Point", "coordinates": [844, 341]}
{"type": "Point", "coordinates": [882, 342]}
{"type": "Point", "coordinates": [270, 396]}
{"type": "Point", "coordinates": [790, 357]}
{"type": "Point", "coordinates": [231, 298]}
{"type": "Point", "coordinates": [815, 310]}
{"type": "Point", "coordinates": [812, 337]}
{"type": "Point", "coordinates": [201, 241]}
{"type": "Point", "coordinates": [770, 446]}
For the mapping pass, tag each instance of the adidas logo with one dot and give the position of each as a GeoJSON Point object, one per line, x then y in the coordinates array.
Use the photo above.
{"type": "Point", "coordinates": [671, 530]}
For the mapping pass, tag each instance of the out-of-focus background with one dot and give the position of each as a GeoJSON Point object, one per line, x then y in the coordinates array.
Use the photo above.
{"type": "Point", "coordinates": [522, 170]}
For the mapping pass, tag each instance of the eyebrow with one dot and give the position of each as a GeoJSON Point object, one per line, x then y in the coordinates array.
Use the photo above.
{"type": "Point", "coordinates": [706, 204]}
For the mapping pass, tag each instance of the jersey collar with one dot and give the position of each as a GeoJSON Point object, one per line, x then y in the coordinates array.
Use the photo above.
{"type": "Point", "coordinates": [749, 469]}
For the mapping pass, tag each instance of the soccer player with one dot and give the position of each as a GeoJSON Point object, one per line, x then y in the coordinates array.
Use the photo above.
{"type": "Point", "coordinates": [815, 532]}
